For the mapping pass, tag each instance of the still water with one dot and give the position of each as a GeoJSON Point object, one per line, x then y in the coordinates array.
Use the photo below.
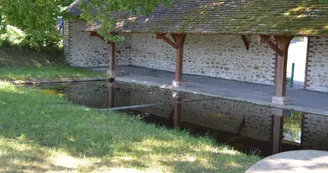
{"type": "Point", "coordinates": [245, 126]}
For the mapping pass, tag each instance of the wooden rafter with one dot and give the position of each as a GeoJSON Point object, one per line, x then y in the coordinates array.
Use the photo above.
{"type": "Point", "coordinates": [246, 43]}
{"type": "Point", "coordinates": [266, 40]}
{"type": "Point", "coordinates": [95, 34]}
{"type": "Point", "coordinates": [167, 40]}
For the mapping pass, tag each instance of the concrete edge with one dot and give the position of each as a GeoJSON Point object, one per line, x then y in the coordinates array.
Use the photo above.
{"type": "Point", "coordinates": [61, 80]}
{"type": "Point", "coordinates": [253, 101]}
{"type": "Point", "coordinates": [288, 154]}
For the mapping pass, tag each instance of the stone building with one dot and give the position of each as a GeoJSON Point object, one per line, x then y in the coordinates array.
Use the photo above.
{"type": "Point", "coordinates": [236, 40]}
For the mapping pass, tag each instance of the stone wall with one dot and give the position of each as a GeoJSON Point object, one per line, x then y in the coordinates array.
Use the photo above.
{"type": "Point", "coordinates": [317, 64]}
{"type": "Point", "coordinates": [315, 135]}
{"type": "Point", "coordinates": [223, 56]}
{"type": "Point", "coordinates": [82, 50]}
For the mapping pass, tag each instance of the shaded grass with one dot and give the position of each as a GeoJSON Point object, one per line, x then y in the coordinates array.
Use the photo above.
{"type": "Point", "coordinates": [52, 72]}
{"type": "Point", "coordinates": [45, 133]}
{"type": "Point", "coordinates": [23, 63]}
{"type": "Point", "coordinates": [13, 56]}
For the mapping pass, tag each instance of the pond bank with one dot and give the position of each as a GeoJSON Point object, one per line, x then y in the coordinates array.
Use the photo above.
{"type": "Point", "coordinates": [49, 130]}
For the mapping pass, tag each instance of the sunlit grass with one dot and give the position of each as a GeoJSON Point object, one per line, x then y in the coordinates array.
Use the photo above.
{"type": "Point", "coordinates": [40, 133]}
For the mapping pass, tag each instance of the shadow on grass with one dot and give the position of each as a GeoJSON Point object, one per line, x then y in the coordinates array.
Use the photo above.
{"type": "Point", "coordinates": [22, 159]}
{"type": "Point", "coordinates": [105, 140]}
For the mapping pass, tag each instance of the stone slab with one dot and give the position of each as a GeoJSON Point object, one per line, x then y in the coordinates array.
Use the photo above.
{"type": "Point", "coordinates": [281, 100]}
{"type": "Point", "coordinates": [304, 161]}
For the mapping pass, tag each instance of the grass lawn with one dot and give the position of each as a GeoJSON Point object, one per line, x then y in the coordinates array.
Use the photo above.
{"type": "Point", "coordinates": [23, 63]}
{"type": "Point", "coordinates": [51, 72]}
{"type": "Point", "coordinates": [40, 133]}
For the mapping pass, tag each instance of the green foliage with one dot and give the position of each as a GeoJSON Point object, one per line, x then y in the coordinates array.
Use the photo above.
{"type": "Point", "coordinates": [11, 36]}
{"type": "Point", "coordinates": [292, 127]}
{"type": "Point", "coordinates": [36, 18]}
{"type": "Point", "coordinates": [324, 1]}
{"type": "Point", "coordinates": [102, 11]}
{"type": "Point", "coordinates": [23, 56]}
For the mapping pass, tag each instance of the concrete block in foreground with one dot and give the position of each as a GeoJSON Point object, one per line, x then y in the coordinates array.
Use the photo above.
{"type": "Point", "coordinates": [302, 161]}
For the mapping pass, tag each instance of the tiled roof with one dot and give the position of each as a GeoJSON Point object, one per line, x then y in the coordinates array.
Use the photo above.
{"type": "Point", "coordinates": [274, 17]}
{"type": "Point", "coordinates": [74, 8]}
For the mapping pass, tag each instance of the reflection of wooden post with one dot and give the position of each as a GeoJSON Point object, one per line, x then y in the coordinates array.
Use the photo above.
{"type": "Point", "coordinates": [177, 110]}
{"type": "Point", "coordinates": [111, 95]}
{"type": "Point", "coordinates": [277, 129]}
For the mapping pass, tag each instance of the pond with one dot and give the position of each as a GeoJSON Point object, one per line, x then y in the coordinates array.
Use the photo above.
{"type": "Point", "coordinates": [245, 126]}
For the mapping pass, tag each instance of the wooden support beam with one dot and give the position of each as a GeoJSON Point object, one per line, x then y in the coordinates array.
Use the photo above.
{"type": "Point", "coordinates": [283, 45]}
{"type": "Point", "coordinates": [95, 34]}
{"type": "Point", "coordinates": [112, 62]}
{"type": "Point", "coordinates": [167, 40]}
{"type": "Point", "coordinates": [180, 40]}
{"type": "Point", "coordinates": [246, 43]}
{"type": "Point", "coordinates": [281, 49]}
{"type": "Point", "coordinates": [266, 40]}
{"type": "Point", "coordinates": [178, 43]}
{"type": "Point", "coordinates": [112, 59]}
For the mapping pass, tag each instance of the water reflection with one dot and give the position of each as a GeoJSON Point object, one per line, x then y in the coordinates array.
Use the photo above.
{"type": "Point", "coordinates": [245, 126]}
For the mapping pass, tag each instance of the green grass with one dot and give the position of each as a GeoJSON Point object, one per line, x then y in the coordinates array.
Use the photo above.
{"type": "Point", "coordinates": [41, 73]}
{"type": "Point", "coordinates": [23, 63]}
{"type": "Point", "coordinates": [40, 133]}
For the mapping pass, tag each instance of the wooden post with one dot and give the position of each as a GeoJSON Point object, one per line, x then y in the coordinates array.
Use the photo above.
{"type": "Point", "coordinates": [277, 129]}
{"type": "Point", "coordinates": [112, 62]}
{"type": "Point", "coordinates": [180, 40]}
{"type": "Point", "coordinates": [112, 59]}
{"type": "Point", "coordinates": [178, 43]}
{"type": "Point", "coordinates": [282, 70]}
{"type": "Point", "coordinates": [283, 45]}
{"type": "Point", "coordinates": [282, 55]}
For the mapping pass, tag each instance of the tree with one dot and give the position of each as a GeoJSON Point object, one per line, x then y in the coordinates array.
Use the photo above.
{"type": "Point", "coordinates": [102, 12]}
{"type": "Point", "coordinates": [36, 18]}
